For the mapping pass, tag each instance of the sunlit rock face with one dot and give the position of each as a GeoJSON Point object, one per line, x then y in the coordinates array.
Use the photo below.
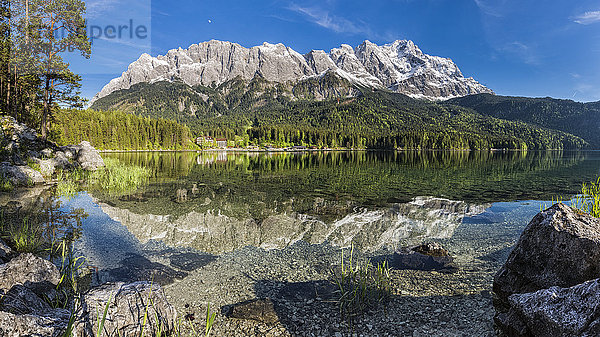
{"type": "Point", "coordinates": [399, 66]}
{"type": "Point", "coordinates": [369, 230]}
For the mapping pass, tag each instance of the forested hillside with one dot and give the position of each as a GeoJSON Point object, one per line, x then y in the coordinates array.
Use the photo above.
{"type": "Point", "coordinates": [580, 119]}
{"type": "Point", "coordinates": [264, 113]}
{"type": "Point", "coordinates": [119, 131]}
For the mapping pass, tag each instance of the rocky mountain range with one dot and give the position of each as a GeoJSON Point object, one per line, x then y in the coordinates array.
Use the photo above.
{"type": "Point", "coordinates": [399, 66]}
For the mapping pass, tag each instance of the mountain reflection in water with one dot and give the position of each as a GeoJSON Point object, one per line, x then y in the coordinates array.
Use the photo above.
{"type": "Point", "coordinates": [220, 201]}
{"type": "Point", "coordinates": [369, 230]}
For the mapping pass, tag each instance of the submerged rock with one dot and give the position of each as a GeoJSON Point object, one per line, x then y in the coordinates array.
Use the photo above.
{"type": "Point", "coordinates": [128, 306]}
{"type": "Point", "coordinates": [554, 312]}
{"type": "Point", "coordinates": [559, 247]}
{"type": "Point", "coordinates": [138, 268]}
{"type": "Point", "coordinates": [261, 310]}
{"type": "Point", "coordinates": [428, 256]}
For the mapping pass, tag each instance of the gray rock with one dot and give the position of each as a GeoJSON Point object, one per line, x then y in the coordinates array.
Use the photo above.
{"type": "Point", "coordinates": [27, 269]}
{"type": "Point", "coordinates": [429, 256]}
{"type": "Point", "coordinates": [21, 300]}
{"type": "Point", "coordinates": [261, 310]}
{"type": "Point", "coordinates": [400, 66]}
{"type": "Point", "coordinates": [5, 251]}
{"type": "Point", "coordinates": [20, 175]}
{"type": "Point", "coordinates": [554, 312]}
{"type": "Point", "coordinates": [128, 305]}
{"type": "Point", "coordinates": [47, 152]}
{"type": "Point", "coordinates": [47, 167]}
{"type": "Point", "coordinates": [61, 161]}
{"type": "Point", "coordinates": [559, 247]}
{"type": "Point", "coordinates": [88, 157]}
{"type": "Point", "coordinates": [12, 325]}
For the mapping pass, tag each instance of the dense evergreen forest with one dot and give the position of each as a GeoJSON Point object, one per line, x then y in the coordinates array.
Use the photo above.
{"type": "Point", "coordinates": [119, 130]}
{"type": "Point", "coordinates": [262, 113]}
{"type": "Point", "coordinates": [580, 119]}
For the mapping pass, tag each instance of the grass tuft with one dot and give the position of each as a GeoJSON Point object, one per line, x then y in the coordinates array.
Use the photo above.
{"type": "Point", "coordinates": [118, 178]}
{"type": "Point", "coordinates": [361, 286]}
{"type": "Point", "coordinates": [589, 199]}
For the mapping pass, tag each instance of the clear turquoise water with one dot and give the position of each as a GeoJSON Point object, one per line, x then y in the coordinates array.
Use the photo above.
{"type": "Point", "coordinates": [219, 202]}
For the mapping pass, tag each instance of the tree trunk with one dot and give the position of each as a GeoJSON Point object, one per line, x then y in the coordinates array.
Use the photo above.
{"type": "Point", "coordinates": [46, 111]}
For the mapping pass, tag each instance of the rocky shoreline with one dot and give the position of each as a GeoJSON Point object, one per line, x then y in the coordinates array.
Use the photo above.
{"type": "Point", "coordinates": [33, 302]}
{"type": "Point", "coordinates": [29, 160]}
{"type": "Point", "coordinates": [436, 291]}
{"type": "Point", "coordinates": [549, 284]}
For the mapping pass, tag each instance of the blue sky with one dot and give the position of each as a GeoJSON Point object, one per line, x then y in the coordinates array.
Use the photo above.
{"type": "Point", "coordinates": [515, 47]}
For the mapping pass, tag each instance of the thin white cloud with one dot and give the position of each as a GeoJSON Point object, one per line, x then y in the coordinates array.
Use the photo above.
{"type": "Point", "coordinates": [324, 19]}
{"type": "Point", "coordinates": [587, 18]}
{"type": "Point", "coordinates": [493, 8]}
{"type": "Point", "coordinates": [524, 52]}
{"type": "Point", "coordinates": [95, 8]}
{"type": "Point", "coordinates": [338, 24]}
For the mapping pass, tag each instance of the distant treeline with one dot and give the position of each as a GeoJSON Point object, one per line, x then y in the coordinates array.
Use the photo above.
{"type": "Point", "coordinates": [251, 114]}
{"type": "Point", "coordinates": [119, 131]}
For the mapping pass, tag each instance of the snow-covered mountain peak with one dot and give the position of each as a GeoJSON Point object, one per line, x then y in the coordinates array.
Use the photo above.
{"type": "Point", "coordinates": [399, 66]}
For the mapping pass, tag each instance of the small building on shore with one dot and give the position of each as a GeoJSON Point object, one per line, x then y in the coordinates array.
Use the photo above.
{"type": "Point", "coordinates": [221, 142]}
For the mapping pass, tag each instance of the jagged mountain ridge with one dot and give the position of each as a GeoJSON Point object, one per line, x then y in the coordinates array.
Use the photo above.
{"type": "Point", "coordinates": [399, 66]}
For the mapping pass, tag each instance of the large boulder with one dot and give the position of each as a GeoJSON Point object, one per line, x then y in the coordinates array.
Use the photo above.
{"type": "Point", "coordinates": [559, 247]}
{"type": "Point", "coordinates": [128, 304]}
{"type": "Point", "coordinates": [31, 271]}
{"type": "Point", "coordinates": [554, 312]}
{"type": "Point", "coordinates": [53, 325]}
{"type": "Point", "coordinates": [88, 157]}
{"type": "Point", "coordinates": [20, 175]}
{"type": "Point", "coordinates": [21, 300]}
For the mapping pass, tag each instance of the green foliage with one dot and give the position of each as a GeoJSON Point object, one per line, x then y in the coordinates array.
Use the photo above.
{"type": "Point", "coordinates": [5, 185]}
{"type": "Point", "coordinates": [33, 164]}
{"type": "Point", "coordinates": [40, 31]}
{"type": "Point", "coordinates": [69, 182]}
{"type": "Point", "coordinates": [119, 131]}
{"type": "Point", "coordinates": [102, 321]}
{"type": "Point", "coordinates": [361, 286]}
{"type": "Point", "coordinates": [261, 113]}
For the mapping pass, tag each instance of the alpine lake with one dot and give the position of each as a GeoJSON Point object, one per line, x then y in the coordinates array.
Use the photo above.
{"type": "Point", "coordinates": [227, 227]}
